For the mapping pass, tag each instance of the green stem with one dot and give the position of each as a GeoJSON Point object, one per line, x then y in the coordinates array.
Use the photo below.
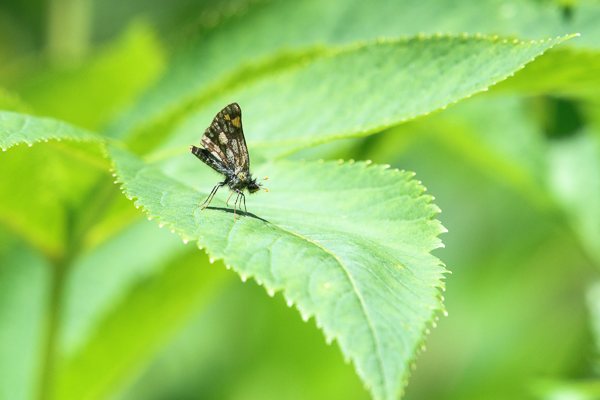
{"type": "Point", "coordinates": [53, 312]}
{"type": "Point", "coordinates": [79, 224]}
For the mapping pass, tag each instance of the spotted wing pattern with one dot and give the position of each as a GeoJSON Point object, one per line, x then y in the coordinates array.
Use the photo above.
{"type": "Point", "coordinates": [209, 159]}
{"type": "Point", "coordinates": [224, 139]}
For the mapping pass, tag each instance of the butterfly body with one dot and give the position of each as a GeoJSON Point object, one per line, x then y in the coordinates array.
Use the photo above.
{"type": "Point", "coordinates": [226, 152]}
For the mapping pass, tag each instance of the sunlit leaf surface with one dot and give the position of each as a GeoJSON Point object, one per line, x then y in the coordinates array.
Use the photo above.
{"type": "Point", "coordinates": [365, 273]}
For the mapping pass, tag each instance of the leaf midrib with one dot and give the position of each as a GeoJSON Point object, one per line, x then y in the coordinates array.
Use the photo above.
{"type": "Point", "coordinates": [364, 312]}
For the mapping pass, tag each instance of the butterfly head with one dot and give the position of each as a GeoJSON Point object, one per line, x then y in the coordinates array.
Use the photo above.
{"type": "Point", "coordinates": [253, 186]}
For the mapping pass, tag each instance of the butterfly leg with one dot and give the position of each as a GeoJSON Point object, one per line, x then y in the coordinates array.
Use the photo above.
{"type": "Point", "coordinates": [212, 194]}
{"type": "Point", "coordinates": [228, 198]}
{"type": "Point", "coordinates": [244, 201]}
{"type": "Point", "coordinates": [235, 204]}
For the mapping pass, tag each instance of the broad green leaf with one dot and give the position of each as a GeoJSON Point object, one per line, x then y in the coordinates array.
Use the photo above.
{"type": "Point", "coordinates": [365, 273]}
{"type": "Point", "coordinates": [18, 128]}
{"type": "Point", "coordinates": [219, 57]}
{"type": "Point", "coordinates": [395, 81]}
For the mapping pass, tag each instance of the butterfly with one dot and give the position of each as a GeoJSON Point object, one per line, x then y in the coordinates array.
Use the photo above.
{"type": "Point", "coordinates": [225, 151]}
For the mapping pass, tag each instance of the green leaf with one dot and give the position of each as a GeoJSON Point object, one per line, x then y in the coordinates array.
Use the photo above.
{"type": "Point", "coordinates": [18, 128]}
{"type": "Point", "coordinates": [565, 72]}
{"type": "Point", "coordinates": [494, 349]}
{"type": "Point", "coordinates": [499, 136]}
{"type": "Point", "coordinates": [41, 189]}
{"type": "Point", "coordinates": [364, 272]}
{"type": "Point", "coordinates": [395, 81]}
{"type": "Point", "coordinates": [219, 57]}
{"type": "Point", "coordinates": [496, 134]}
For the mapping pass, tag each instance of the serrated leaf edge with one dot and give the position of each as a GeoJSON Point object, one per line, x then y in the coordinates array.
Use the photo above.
{"type": "Point", "coordinates": [390, 123]}
{"type": "Point", "coordinates": [306, 316]}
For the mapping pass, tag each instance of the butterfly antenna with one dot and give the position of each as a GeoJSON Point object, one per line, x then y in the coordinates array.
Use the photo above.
{"type": "Point", "coordinates": [266, 178]}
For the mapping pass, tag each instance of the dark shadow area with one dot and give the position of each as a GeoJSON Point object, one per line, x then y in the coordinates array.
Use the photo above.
{"type": "Point", "coordinates": [238, 212]}
{"type": "Point", "coordinates": [567, 11]}
{"type": "Point", "coordinates": [559, 118]}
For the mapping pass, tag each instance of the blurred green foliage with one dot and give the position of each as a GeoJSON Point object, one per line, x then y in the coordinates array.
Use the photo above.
{"type": "Point", "coordinates": [97, 302]}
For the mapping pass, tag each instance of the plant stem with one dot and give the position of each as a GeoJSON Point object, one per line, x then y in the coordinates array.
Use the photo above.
{"type": "Point", "coordinates": [79, 223]}
{"type": "Point", "coordinates": [53, 322]}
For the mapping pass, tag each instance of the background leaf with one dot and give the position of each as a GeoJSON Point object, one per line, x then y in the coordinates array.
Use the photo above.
{"type": "Point", "coordinates": [480, 350]}
{"type": "Point", "coordinates": [18, 128]}
{"type": "Point", "coordinates": [87, 285]}
{"type": "Point", "coordinates": [201, 67]}
{"type": "Point", "coordinates": [565, 72]}
{"type": "Point", "coordinates": [92, 92]}
{"type": "Point", "coordinates": [41, 208]}
{"type": "Point", "coordinates": [395, 81]}
{"type": "Point", "coordinates": [154, 294]}
{"type": "Point", "coordinates": [24, 284]}
{"type": "Point", "coordinates": [575, 181]}
{"type": "Point", "coordinates": [287, 360]}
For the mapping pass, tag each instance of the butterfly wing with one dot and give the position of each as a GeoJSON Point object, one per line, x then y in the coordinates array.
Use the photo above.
{"type": "Point", "coordinates": [224, 139]}
{"type": "Point", "coordinates": [209, 159]}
